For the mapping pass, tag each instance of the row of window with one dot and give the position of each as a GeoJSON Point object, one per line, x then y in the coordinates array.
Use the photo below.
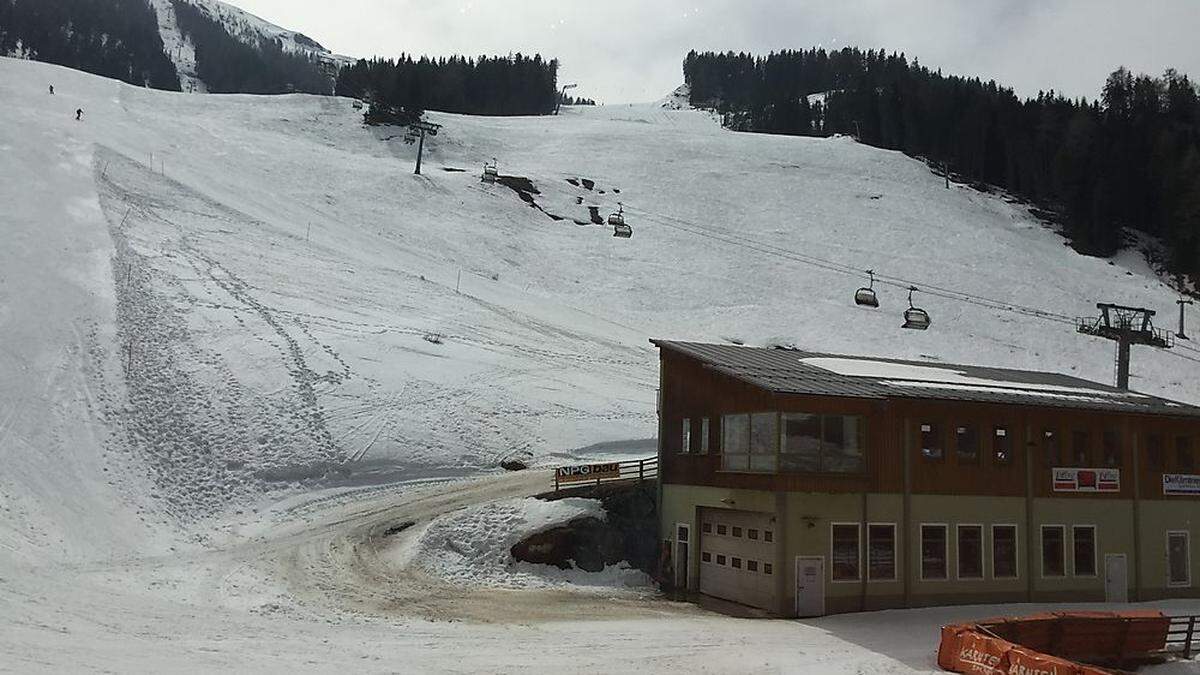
{"type": "Point", "coordinates": [845, 549]}
{"type": "Point", "coordinates": [846, 563]}
{"type": "Point", "coordinates": [1084, 448]}
{"type": "Point", "coordinates": [793, 442]}
{"type": "Point", "coordinates": [772, 442]}
{"type": "Point", "coordinates": [736, 563]}
{"type": "Point", "coordinates": [736, 532]}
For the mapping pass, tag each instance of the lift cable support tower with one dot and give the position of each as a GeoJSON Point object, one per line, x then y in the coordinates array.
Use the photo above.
{"type": "Point", "coordinates": [1183, 303]}
{"type": "Point", "coordinates": [1127, 326]}
{"type": "Point", "coordinates": [416, 133]}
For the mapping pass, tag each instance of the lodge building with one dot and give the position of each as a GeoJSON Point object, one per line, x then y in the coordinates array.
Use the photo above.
{"type": "Point", "coordinates": [806, 483]}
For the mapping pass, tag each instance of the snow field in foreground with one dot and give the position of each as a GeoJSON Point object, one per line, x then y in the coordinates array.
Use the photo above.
{"type": "Point", "coordinates": [472, 546]}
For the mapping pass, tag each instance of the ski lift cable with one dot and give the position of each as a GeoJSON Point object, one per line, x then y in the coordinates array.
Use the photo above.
{"type": "Point", "coordinates": [896, 282]}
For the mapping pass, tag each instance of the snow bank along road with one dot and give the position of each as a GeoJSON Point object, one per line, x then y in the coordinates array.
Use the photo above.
{"type": "Point", "coordinates": [240, 343]}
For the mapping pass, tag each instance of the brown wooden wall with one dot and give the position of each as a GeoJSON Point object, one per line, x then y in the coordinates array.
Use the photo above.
{"type": "Point", "coordinates": [693, 391]}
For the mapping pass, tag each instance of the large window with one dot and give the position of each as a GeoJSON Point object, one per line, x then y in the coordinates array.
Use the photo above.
{"type": "Point", "coordinates": [1002, 448]}
{"type": "Point", "coordinates": [970, 552]}
{"type": "Point", "coordinates": [881, 552]}
{"type": "Point", "coordinates": [749, 442]}
{"type": "Point", "coordinates": [1111, 446]}
{"type": "Point", "coordinates": [1185, 460]}
{"type": "Point", "coordinates": [764, 442]}
{"type": "Point", "coordinates": [1053, 551]}
{"type": "Point", "coordinates": [1050, 450]}
{"type": "Point", "coordinates": [1081, 449]}
{"type": "Point", "coordinates": [1156, 452]}
{"type": "Point", "coordinates": [1083, 546]}
{"type": "Point", "coordinates": [1004, 551]}
{"type": "Point", "coordinates": [822, 443]}
{"type": "Point", "coordinates": [685, 439]}
{"type": "Point", "coordinates": [933, 552]}
{"type": "Point", "coordinates": [845, 548]}
{"type": "Point", "coordinates": [1179, 558]}
{"type": "Point", "coordinates": [931, 441]}
{"type": "Point", "coordinates": [735, 442]}
{"type": "Point", "coordinates": [966, 444]}
{"type": "Point", "coordinates": [704, 430]}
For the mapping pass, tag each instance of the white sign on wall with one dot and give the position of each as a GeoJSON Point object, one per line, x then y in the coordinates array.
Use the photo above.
{"type": "Point", "coordinates": [1087, 480]}
{"type": "Point", "coordinates": [1181, 484]}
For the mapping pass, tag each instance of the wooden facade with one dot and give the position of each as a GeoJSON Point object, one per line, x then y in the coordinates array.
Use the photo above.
{"type": "Point", "coordinates": [694, 392]}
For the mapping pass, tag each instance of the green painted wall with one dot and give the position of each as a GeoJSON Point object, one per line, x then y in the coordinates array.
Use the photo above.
{"type": "Point", "coordinates": [806, 519]}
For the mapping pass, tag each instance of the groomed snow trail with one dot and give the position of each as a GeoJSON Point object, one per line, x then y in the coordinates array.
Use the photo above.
{"type": "Point", "coordinates": [241, 346]}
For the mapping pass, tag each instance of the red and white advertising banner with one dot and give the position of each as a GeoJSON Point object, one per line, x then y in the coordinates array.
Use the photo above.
{"type": "Point", "coordinates": [1087, 480]}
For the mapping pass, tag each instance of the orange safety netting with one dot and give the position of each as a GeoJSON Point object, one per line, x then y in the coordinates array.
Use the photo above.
{"type": "Point", "coordinates": [1044, 644]}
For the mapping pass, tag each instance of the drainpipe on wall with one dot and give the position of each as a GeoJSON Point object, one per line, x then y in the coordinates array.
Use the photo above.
{"type": "Point", "coordinates": [1030, 451]}
{"type": "Point", "coordinates": [1137, 513]}
{"type": "Point", "coordinates": [862, 594]}
{"type": "Point", "coordinates": [906, 507]}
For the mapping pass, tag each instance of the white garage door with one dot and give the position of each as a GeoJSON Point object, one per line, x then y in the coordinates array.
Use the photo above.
{"type": "Point", "coordinates": [737, 556]}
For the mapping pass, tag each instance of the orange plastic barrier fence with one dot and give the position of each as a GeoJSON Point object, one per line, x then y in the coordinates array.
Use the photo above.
{"type": "Point", "coordinates": [1044, 644]}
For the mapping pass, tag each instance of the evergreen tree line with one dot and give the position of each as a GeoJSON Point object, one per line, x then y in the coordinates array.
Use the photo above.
{"type": "Point", "coordinates": [228, 65]}
{"type": "Point", "coordinates": [571, 100]}
{"type": "Point", "coordinates": [112, 38]}
{"type": "Point", "coordinates": [489, 85]}
{"type": "Point", "coordinates": [1128, 160]}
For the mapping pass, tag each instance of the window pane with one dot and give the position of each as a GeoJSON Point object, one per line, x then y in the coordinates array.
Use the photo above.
{"type": "Point", "coordinates": [1112, 448]}
{"type": "Point", "coordinates": [933, 552]}
{"type": "Point", "coordinates": [1184, 460]}
{"type": "Point", "coordinates": [1004, 552]}
{"type": "Point", "coordinates": [737, 434]}
{"type": "Point", "coordinates": [735, 462]}
{"type": "Point", "coordinates": [881, 552]}
{"type": "Point", "coordinates": [763, 433]}
{"type": "Point", "coordinates": [685, 440]}
{"type": "Point", "coordinates": [800, 446]}
{"type": "Point", "coordinates": [1177, 555]}
{"type": "Point", "coordinates": [966, 444]}
{"type": "Point", "coordinates": [1001, 445]}
{"type": "Point", "coordinates": [704, 436]}
{"type": "Point", "coordinates": [1052, 552]}
{"type": "Point", "coordinates": [931, 441]}
{"type": "Point", "coordinates": [970, 552]}
{"type": "Point", "coordinates": [845, 552]}
{"type": "Point", "coordinates": [1081, 449]}
{"type": "Point", "coordinates": [1050, 454]}
{"type": "Point", "coordinates": [735, 443]}
{"type": "Point", "coordinates": [1084, 543]}
{"type": "Point", "coordinates": [1155, 452]}
{"type": "Point", "coordinates": [841, 451]}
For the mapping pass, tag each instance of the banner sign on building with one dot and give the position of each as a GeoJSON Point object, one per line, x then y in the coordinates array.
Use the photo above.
{"type": "Point", "coordinates": [1181, 484]}
{"type": "Point", "coordinates": [568, 474]}
{"type": "Point", "coordinates": [1087, 480]}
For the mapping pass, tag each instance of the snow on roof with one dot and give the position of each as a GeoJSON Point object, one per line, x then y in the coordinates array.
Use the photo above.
{"type": "Point", "coordinates": [902, 374]}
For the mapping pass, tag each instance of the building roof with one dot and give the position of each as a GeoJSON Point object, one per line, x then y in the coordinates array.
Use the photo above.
{"type": "Point", "coordinates": [794, 371]}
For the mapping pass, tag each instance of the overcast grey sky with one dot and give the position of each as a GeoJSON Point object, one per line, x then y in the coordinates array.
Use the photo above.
{"type": "Point", "coordinates": [630, 50]}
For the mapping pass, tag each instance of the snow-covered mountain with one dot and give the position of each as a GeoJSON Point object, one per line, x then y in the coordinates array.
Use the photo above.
{"type": "Point", "coordinates": [129, 39]}
{"type": "Point", "coordinates": [210, 306]}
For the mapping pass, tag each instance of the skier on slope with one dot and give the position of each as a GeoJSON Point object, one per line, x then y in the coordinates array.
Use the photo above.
{"type": "Point", "coordinates": [79, 115]}
{"type": "Point", "coordinates": [51, 89]}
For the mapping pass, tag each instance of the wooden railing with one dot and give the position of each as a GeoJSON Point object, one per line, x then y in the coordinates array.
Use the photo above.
{"type": "Point", "coordinates": [604, 472]}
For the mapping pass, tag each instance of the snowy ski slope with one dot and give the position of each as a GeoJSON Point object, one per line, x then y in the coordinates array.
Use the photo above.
{"type": "Point", "coordinates": [209, 304]}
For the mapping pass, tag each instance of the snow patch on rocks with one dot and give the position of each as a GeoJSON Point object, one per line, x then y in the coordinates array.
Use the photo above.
{"type": "Point", "coordinates": [472, 547]}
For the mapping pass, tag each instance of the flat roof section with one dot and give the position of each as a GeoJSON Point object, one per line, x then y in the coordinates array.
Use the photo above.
{"type": "Point", "coordinates": [794, 371]}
